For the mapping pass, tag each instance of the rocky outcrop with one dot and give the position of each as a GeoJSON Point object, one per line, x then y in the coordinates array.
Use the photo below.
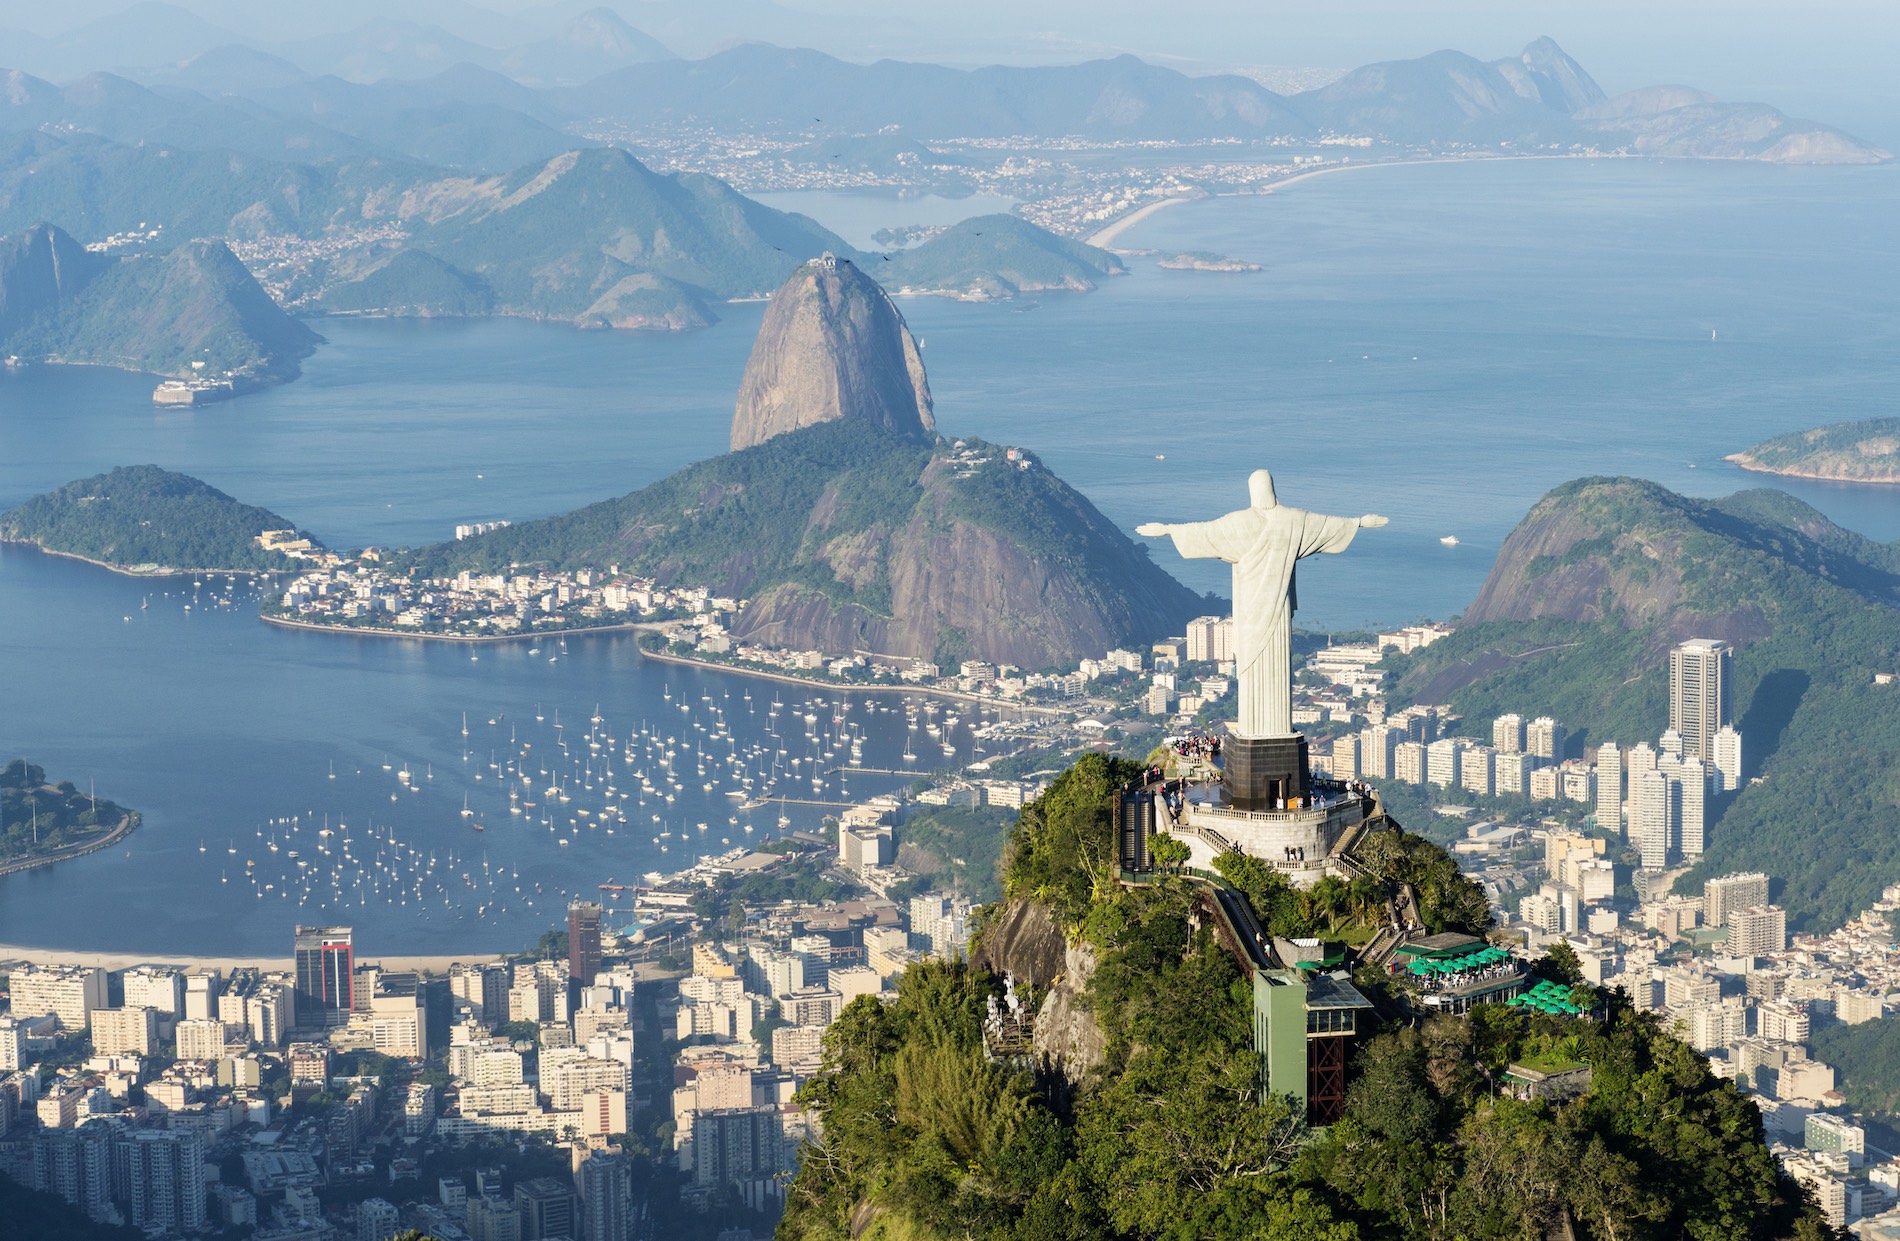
{"type": "Point", "coordinates": [965, 581]}
{"type": "Point", "coordinates": [1022, 939]}
{"type": "Point", "coordinates": [832, 346]}
{"type": "Point", "coordinates": [1068, 1038]}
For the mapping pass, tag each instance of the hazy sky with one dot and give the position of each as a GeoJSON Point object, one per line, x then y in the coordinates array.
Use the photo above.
{"type": "Point", "coordinates": [1831, 59]}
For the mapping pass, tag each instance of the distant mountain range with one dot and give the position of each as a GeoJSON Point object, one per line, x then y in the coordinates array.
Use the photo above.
{"type": "Point", "coordinates": [395, 91]}
{"type": "Point", "coordinates": [1604, 575]}
{"type": "Point", "coordinates": [191, 312]}
{"type": "Point", "coordinates": [468, 189]}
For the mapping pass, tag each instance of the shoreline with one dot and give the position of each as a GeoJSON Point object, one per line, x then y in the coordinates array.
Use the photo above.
{"type": "Point", "coordinates": [1105, 236]}
{"type": "Point", "coordinates": [845, 686]}
{"type": "Point", "coordinates": [117, 960]}
{"type": "Point", "coordinates": [125, 827]}
{"type": "Point", "coordinates": [1746, 462]}
{"type": "Point", "coordinates": [533, 635]}
{"type": "Point", "coordinates": [155, 571]}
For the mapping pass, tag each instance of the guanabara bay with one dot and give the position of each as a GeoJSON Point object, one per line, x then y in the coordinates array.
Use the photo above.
{"type": "Point", "coordinates": [852, 622]}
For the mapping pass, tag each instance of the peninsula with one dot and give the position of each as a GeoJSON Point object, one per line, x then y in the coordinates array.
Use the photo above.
{"type": "Point", "coordinates": [148, 521]}
{"type": "Point", "coordinates": [847, 523]}
{"type": "Point", "coordinates": [1844, 452]}
{"type": "Point", "coordinates": [42, 823]}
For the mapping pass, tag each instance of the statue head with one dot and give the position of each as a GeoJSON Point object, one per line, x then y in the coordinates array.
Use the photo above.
{"type": "Point", "coordinates": [1260, 489]}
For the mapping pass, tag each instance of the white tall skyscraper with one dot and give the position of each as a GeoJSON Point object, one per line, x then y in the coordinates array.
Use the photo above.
{"type": "Point", "coordinates": [1728, 759]}
{"type": "Point", "coordinates": [1700, 671]}
{"type": "Point", "coordinates": [1639, 757]}
{"type": "Point", "coordinates": [1610, 786]}
{"type": "Point", "coordinates": [1652, 817]}
{"type": "Point", "coordinates": [1507, 734]}
{"type": "Point", "coordinates": [1692, 798]}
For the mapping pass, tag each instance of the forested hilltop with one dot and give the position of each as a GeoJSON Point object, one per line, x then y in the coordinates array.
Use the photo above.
{"type": "Point", "coordinates": [1604, 575]}
{"type": "Point", "coordinates": [848, 536]}
{"type": "Point", "coordinates": [140, 517]}
{"type": "Point", "coordinates": [38, 818]}
{"type": "Point", "coordinates": [1149, 1124]}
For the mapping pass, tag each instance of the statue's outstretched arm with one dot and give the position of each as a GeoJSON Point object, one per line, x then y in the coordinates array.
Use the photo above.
{"type": "Point", "coordinates": [1372, 521]}
{"type": "Point", "coordinates": [1153, 529]}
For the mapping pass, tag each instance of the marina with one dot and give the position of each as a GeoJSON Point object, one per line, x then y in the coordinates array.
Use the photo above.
{"type": "Point", "coordinates": [601, 766]}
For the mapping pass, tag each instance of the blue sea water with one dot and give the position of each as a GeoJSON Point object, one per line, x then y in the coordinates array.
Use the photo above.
{"type": "Point", "coordinates": [1441, 344]}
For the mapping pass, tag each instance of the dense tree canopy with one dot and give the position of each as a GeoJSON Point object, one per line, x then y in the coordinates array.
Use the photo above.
{"type": "Point", "coordinates": [926, 1133]}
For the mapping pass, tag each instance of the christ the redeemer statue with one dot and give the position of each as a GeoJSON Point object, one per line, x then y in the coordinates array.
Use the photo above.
{"type": "Point", "coordinates": [1263, 542]}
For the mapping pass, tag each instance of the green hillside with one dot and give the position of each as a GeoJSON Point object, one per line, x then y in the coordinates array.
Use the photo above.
{"type": "Point", "coordinates": [195, 311]}
{"type": "Point", "coordinates": [37, 817]}
{"type": "Point", "coordinates": [142, 515]}
{"type": "Point", "coordinates": [924, 1136]}
{"type": "Point", "coordinates": [1604, 575]}
{"type": "Point", "coordinates": [845, 535]}
{"type": "Point", "coordinates": [412, 283]}
{"type": "Point", "coordinates": [738, 521]}
{"type": "Point", "coordinates": [1857, 452]}
{"type": "Point", "coordinates": [996, 256]}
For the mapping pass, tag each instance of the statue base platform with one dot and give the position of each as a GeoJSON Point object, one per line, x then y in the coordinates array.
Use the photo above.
{"type": "Point", "coordinates": [1265, 773]}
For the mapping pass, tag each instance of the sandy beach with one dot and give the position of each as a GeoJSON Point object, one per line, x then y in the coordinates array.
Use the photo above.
{"type": "Point", "coordinates": [1105, 237]}
{"type": "Point", "coordinates": [13, 954]}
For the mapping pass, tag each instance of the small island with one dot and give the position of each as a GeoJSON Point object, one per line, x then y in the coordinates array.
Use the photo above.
{"type": "Point", "coordinates": [43, 823]}
{"type": "Point", "coordinates": [1845, 452]}
{"type": "Point", "coordinates": [150, 522]}
{"type": "Point", "coordinates": [1205, 260]}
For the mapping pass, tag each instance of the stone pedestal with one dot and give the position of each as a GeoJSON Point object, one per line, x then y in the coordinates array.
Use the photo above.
{"type": "Point", "coordinates": [1264, 773]}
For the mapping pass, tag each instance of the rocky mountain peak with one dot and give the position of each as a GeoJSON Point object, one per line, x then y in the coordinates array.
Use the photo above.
{"type": "Point", "coordinates": [833, 346]}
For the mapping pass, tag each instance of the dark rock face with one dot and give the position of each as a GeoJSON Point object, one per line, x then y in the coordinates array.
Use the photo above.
{"type": "Point", "coordinates": [832, 346]}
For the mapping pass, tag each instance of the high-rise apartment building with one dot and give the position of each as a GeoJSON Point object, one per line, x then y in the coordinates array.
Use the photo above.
{"type": "Point", "coordinates": [1610, 787]}
{"type": "Point", "coordinates": [156, 987]}
{"type": "Point", "coordinates": [1652, 818]}
{"type": "Point", "coordinates": [1724, 894]}
{"type": "Point", "coordinates": [1476, 770]}
{"type": "Point", "coordinates": [583, 942]}
{"type": "Point", "coordinates": [200, 1040]}
{"type": "Point", "coordinates": [484, 988]}
{"type": "Point", "coordinates": [68, 992]}
{"type": "Point", "coordinates": [1210, 639]}
{"type": "Point", "coordinates": [1700, 671]}
{"type": "Point", "coordinates": [125, 1031]}
{"type": "Point", "coordinates": [162, 1172]}
{"type": "Point", "coordinates": [76, 1164]}
{"type": "Point", "coordinates": [1728, 759]}
{"type": "Point", "coordinates": [548, 1208]}
{"type": "Point", "coordinates": [1408, 763]}
{"type": "Point", "coordinates": [202, 988]}
{"type": "Point", "coordinates": [1511, 774]}
{"type": "Point", "coordinates": [1545, 738]}
{"type": "Point", "coordinates": [1507, 734]}
{"type": "Point", "coordinates": [326, 968]}
{"type": "Point", "coordinates": [1377, 750]}
{"type": "Point", "coordinates": [1692, 797]}
{"type": "Point", "coordinates": [1757, 930]}
{"type": "Point", "coordinates": [607, 1207]}
{"type": "Point", "coordinates": [1441, 762]}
